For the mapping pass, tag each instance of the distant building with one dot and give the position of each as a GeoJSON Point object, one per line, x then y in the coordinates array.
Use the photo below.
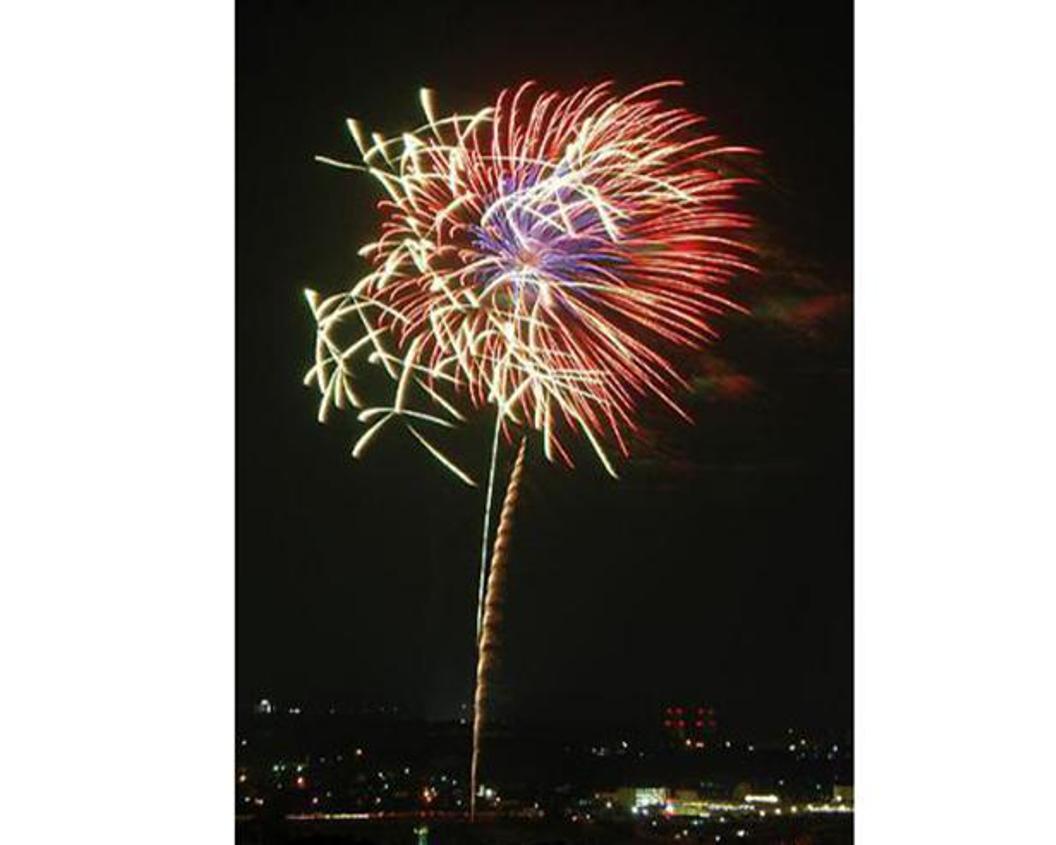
{"type": "Point", "coordinates": [843, 794]}
{"type": "Point", "coordinates": [659, 799]}
{"type": "Point", "coordinates": [638, 797]}
{"type": "Point", "coordinates": [690, 726]}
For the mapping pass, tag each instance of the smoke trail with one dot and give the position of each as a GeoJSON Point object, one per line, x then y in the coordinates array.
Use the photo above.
{"type": "Point", "coordinates": [487, 642]}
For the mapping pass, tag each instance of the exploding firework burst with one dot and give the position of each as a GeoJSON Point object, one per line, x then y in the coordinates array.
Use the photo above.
{"type": "Point", "coordinates": [538, 256]}
{"type": "Point", "coordinates": [543, 256]}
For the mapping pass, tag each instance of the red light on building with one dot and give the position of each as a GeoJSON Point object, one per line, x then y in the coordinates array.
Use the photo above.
{"type": "Point", "coordinates": [690, 732]}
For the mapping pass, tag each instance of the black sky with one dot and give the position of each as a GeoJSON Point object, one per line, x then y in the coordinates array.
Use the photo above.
{"type": "Point", "coordinates": [720, 572]}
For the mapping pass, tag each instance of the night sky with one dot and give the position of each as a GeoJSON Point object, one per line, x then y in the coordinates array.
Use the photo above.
{"type": "Point", "coordinates": [719, 568]}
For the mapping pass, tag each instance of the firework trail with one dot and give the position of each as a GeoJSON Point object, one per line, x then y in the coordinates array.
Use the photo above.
{"type": "Point", "coordinates": [494, 597]}
{"type": "Point", "coordinates": [545, 256]}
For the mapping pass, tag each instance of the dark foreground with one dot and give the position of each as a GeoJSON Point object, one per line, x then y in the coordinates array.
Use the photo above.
{"type": "Point", "coordinates": [831, 830]}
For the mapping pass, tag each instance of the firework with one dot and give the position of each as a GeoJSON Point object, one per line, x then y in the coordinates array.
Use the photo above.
{"type": "Point", "coordinates": [537, 256]}
{"type": "Point", "coordinates": [543, 257]}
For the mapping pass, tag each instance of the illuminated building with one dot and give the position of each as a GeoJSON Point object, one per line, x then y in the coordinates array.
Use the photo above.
{"type": "Point", "coordinates": [658, 800]}
{"type": "Point", "coordinates": [692, 727]}
{"type": "Point", "coordinates": [638, 798]}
